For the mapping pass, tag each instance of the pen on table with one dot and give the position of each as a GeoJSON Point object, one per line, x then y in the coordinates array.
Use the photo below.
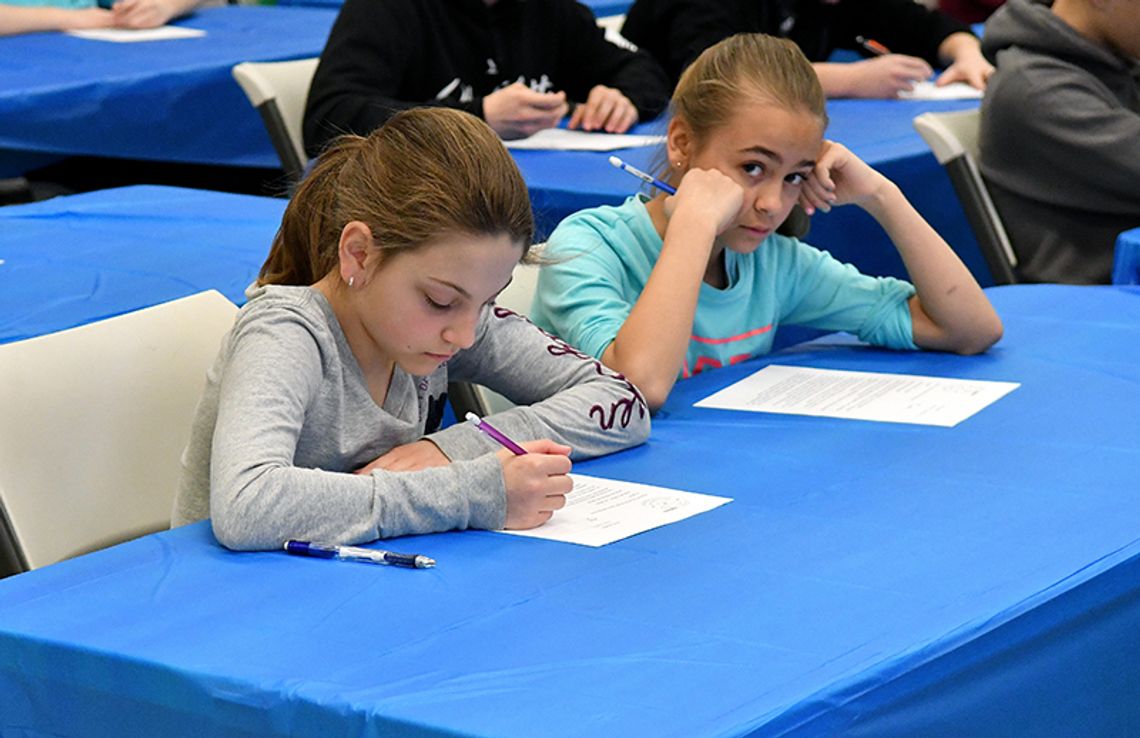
{"type": "Point", "coordinates": [496, 434]}
{"type": "Point", "coordinates": [355, 553]}
{"type": "Point", "coordinates": [646, 178]}
{"type": "Point", "coordinates": [872, 46]}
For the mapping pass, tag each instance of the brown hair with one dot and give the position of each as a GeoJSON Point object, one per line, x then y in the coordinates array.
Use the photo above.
{"type": "Point", "coordinates": [424, 173]}
{"type": "Point", "coordinates": [742, 67]}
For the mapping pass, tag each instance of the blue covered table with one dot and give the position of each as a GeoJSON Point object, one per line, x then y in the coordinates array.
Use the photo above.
{"type": "Point", "coordinates": [869, 579]}
{"type": "Point", "coordinates": [171, 101]}
{"type": "Point", "coordinates": [879, 131]}
{"type": "Point", "coordinates": [1126, 268]}
{"type": "Point", "coordinates": [73, 260]}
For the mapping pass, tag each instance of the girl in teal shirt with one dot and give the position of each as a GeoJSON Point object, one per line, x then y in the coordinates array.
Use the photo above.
{"type": "Point", "coordinates": [666, 287]}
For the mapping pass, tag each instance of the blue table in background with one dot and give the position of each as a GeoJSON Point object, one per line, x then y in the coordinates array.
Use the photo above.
{"type": "Point", "coordinates": [868, 579]}
{"type": "Point", "coordinates": [173, 101]}
{"type": "Point", "coordinates": [73, 260]}
{"type": "Point", "coordinates": [1126, 268]}
{"type": "Point", "coordinates": [879, 131]}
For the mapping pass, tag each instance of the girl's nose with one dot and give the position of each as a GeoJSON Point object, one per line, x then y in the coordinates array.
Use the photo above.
{"type": "Point", "coordinates": [461, 334]}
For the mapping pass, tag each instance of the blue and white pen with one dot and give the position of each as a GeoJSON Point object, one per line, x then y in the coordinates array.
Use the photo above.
{"type": "Point", "coordinates": [356, 553]}
{"type": "Point", "coordinates": [646, 178]}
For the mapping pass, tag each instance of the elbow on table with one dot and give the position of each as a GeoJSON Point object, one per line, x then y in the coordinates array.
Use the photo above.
{"type": "Point", "coordinates": [981, 338]}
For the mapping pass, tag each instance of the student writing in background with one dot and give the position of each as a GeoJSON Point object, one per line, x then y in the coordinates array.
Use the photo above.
{"type": "Point", "coordinates": [34, 16]}
{"type": "Point", "coordinates": [518, 64]}
{"type": "Point", "coordinates": [321, 415]}
{"type": "Point", "coordinates": [676, 31]}
{"type": "Point", "coordinates": [1060, 133]}
{"type": "Point", "coordinates": [665, 287]}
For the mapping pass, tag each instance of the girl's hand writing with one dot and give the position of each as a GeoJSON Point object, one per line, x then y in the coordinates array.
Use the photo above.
{"type": "Point", "coordinates": [537, 482]}
{"type": "Point", "coordinates": [516, 111]}
{"type": "Point", "coordinates": [414, 456]}
{"type": "Point", "coordinates": [887, 76]}
{"type": "Point", "coordinates": [706, 196]}
{"type": "Point", "coordinates": [840, 178]}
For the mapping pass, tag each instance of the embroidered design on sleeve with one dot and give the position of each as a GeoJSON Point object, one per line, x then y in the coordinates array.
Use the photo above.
{"type": "Point", "coordinates": [620, 411]}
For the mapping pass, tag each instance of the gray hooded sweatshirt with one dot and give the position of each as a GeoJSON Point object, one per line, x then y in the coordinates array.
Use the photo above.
{"type": "Point", "coordinates": [286, 418]}
{"type": "Point", "coordinates": [1060, 143]}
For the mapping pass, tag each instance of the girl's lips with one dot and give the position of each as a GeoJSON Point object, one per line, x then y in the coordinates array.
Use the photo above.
{"type": "Point", "coordinates": [757, 231]}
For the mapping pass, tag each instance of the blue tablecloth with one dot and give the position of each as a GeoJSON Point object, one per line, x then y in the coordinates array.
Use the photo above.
{"type": "Point", "coordinates": [879, 131]}
{"type": "Point", "coordinates": [1126, 269]}
{"type": "Point", "coordinates": [869, 579]}
{"type": "Point", "coordinates": [72, 260]}
{"type": "Point", "coordinates": [167, 101]}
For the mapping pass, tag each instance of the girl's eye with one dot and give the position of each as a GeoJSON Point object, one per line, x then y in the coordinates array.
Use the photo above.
{"type": "Point", "coordinates": [436, 305]}
{"type": "Point", "coordinates": [796, 178]}
{"type": "Point", "coordinates": [753, 170]}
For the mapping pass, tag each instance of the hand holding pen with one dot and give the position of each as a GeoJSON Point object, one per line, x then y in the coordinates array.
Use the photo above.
{"type": "Point", "coordinates": [535, 476]}
{"type": "Point", "coordinates": [886, 74]}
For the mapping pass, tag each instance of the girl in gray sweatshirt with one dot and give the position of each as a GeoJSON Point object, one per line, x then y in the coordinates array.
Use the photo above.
{"type": "Point", "coordinates": [321, 415]}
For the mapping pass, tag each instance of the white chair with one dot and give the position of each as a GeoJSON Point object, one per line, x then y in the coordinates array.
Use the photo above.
{"type": "Point", "coordinates": [278, 91]}
{"type": "Point", "coordinates": [953, 138]}
{"type": "Point", "coordinates": [93, 425]}
{"type": "Point", "coordinates": [467, 397]}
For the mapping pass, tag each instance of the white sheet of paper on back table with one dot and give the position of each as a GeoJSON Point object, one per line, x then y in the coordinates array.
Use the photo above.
{"type": "Point", "coordinates": [600, 511]}
{"type": "Point", "coordinates": [832, 393]}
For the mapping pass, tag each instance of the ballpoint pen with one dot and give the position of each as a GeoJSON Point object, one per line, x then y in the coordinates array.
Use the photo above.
{"type": "Point", "coordinates": [356, 553]}
{"type": "Point", "coordinates": [646, 178]}
{"type": "Point", "coordinates": [496, 434]}
{"type": "Point", "coordinates": [872, 46]}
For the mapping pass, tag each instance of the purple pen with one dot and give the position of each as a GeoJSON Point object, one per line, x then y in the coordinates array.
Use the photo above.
{"type": "Point", "coordinates": [496, 434]}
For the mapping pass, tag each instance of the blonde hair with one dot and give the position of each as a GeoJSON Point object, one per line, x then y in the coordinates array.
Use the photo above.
{"type": "Point", "coordinates": [426, 172]}
{"type": "Point", "coordinates": [743, 67]}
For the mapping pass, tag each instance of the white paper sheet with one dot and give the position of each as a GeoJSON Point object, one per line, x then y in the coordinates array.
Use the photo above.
{"type": "Point", "coordinates": [888, 398]}
{"type": "Point", "coordinates": [600, 511]}
{"type": "Point", "coordinates": [926, 90]}
{"type": "Point", "coordinates": [131, 35]}
{"type": "Point", "coordinates": [561, 139]}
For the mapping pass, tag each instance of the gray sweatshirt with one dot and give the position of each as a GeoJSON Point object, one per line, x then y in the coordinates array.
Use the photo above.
{"type": "Point", "coordinates": [1060, 143]}
{"type": "Point", "coordinates": [286, 417]}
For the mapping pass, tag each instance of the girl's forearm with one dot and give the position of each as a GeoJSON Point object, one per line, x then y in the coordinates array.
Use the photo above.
{"type": "Point", "coordinates": [953, 314]}
{"type": "Point", "coordinates": [650, 347]}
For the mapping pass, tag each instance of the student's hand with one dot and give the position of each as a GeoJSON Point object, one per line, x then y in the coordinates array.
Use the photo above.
{"type": "Point", "coordinates": [517, 111]}
{"type": "Point", "coordinates": [537, 483]}
{"type": "Point", "coordinates": [971, 68]}
{"type": "Point", "coordinates": [421, 454]}
{"type": "Point", "coordinates": [840, 178]}
{"type": "Point", "coordinates": [605, 108]}
{"type": "Point", "coordinates": [143, 13]}
{"type": "Point", "coordinates": [82, 18]}
{"type": "Point", "coordinates": [886, 76]}
{"type": "Point", "coordinates": [706, 196]}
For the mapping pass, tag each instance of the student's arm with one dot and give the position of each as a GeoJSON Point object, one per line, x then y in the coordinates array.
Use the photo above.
{"type": "Point", "coordinates": [591, 66]}
{"type": "Point", "coordinates": [562, 393]}
{"type": "Point", "coordinates": [154, 13]}
{"type": "Point", "coordinates": [962, 55]}
{"type": "Point", "coordinates": [949, 312]}
{"type": "Point", "coordinates": [676, 31]}
{"type": "Point", "coordinates": [903, 26]}
{"type": "Point", "coordinates": [258, 498]}
{"type": "Point", "coordinates": [18, 19]}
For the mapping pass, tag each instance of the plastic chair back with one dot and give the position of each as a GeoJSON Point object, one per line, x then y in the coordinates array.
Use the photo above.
{"type": "Point", "coordinates": [94, 422]}
{"type": "Point", "coordinates": [278, 91]}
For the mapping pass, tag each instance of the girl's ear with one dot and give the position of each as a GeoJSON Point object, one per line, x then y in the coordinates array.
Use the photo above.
{"type": "Point", "coordinates": [355, 242]}
{"type": "Point", "coordinates": [678, 143]}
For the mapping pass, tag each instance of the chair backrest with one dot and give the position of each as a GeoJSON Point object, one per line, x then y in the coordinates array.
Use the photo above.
{"type": "Point", "coordinates": [466, 397]}
{"type": "Point", "coordinates": [93, 425]}
{"type": "Point", "coordinates": [278, 91]}
{"type": "Point", "coordinates": [953, 138]}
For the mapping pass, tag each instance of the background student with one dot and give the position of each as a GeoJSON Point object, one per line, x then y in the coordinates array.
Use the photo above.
{"type": "Point", "coordinates": [18, 16]}
{"type": "Point", "coordinates": [321, 415]}
{"type": "Point", "coordinates": [676, 31]}
{"type": "Point", "coordinates": [1060, 132]}
{"type": "Point", "coordinates": [665, 287]}
{"type": "Point", "coordinates": [518, 64]}
{"type": "Point", "coordinates": [969, 11]}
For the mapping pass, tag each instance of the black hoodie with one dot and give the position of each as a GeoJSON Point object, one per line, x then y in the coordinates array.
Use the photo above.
{"type": "Point", "coordinates": [383, 56]}
{"type": "Point", "coordinates": [1060, 143]}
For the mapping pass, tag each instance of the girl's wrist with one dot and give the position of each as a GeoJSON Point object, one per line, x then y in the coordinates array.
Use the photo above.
{"type": "Point", "coordinates": [883, 200]}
